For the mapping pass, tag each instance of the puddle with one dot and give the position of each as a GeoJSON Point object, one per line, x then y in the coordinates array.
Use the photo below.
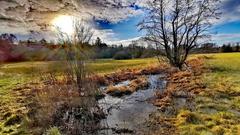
{"type": "Point", "coordinates": [131, 111]}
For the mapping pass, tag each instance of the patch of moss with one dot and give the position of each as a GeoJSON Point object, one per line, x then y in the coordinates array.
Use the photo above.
{"type": "Point", "coordinates": [213, 106]}
{"type": "Point", "coordinates": [191, 129]}
{"type": "Point", "coordinates": [225, 115]}
{"type": "Point", "coordinates": [187, 117]}
{"type": "Point", "coordinates": [205, 132]}
{"type": "Point", "coordinates": [210, 124]}
{"type": "Point", "coordinates": [218, 130]}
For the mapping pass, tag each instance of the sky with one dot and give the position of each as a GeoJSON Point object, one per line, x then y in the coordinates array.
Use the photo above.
{"type": "Point", "coordinates": [114, 21]}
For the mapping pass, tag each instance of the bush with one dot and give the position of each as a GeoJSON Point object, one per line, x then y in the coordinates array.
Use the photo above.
{"type": "Point", "coordinates": [122, 55]}
{"type": "Point", "coordinates": [53, 131]}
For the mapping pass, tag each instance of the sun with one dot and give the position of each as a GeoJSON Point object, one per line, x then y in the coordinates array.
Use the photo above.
{"type": "Point", "coordinates": [64, 23]}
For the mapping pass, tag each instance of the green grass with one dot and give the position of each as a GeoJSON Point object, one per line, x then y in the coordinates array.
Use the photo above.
{"type": "Point", "coordinates": [217, 108]}
{"type": "Point", "coordinates": [12, 74]}
{"type": "Point", "coordinates": [225, 65]}
{"type": "Point", "coordinates": [107, 66]}
{"type": "Point", "coordinates": [99, 66]}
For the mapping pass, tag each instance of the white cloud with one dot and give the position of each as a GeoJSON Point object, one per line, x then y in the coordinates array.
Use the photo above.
{"type": "Point", "coordinates": [225, 38]}
{"type": "Point", "coordinates": [21, 16]}
{"type": "Point", "coordinates": [123, 42]}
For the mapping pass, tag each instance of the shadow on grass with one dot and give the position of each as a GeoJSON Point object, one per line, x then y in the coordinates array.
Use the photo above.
{"type": "Point", "coordinates": [219, 69]}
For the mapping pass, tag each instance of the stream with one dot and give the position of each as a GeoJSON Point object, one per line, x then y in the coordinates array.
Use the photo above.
{"type": "Point", "coordinates": [128, 114]}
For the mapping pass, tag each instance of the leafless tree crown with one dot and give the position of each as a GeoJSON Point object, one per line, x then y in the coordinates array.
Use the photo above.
{"type": "Point", "coordinates": [177, 26]}
{"type": "Point", "coordinates": [76, 53]}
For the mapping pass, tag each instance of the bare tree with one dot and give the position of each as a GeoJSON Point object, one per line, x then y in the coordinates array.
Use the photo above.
{"type": "Point", "coordinates": [177, 26]}
{"type": "Point", "coordinates": [76, 52]}
{"type": "Point", "coordinates": [74, 93]}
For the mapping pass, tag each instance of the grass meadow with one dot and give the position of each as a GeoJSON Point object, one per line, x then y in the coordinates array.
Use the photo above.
{"type": "Point", "coordinates": [217, 108]}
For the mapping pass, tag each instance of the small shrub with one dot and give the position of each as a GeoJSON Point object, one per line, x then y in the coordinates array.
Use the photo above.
{"type": "Point", "coordinates": [53, 131]}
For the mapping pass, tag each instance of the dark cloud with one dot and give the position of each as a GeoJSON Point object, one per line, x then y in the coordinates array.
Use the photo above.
{"type": "Point", "coordinates": [231, 5]}
{"type": "Point", "coordinates": [230, 11]}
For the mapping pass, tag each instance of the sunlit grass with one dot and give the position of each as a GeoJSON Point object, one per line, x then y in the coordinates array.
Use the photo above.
{"type": "Point", "coordinates": [107, 66]}
{"type": "Point", "coordinates": [225, 74]}
{"type": "Point", "coordinates": [12, 74]}
{"type": "Point", "coordinates": [98, 66]}
{"type": "Point", "coordinates": [217, 108]}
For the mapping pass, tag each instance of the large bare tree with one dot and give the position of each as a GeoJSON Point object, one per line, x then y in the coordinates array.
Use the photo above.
{"type": "Point", "coordinates": [177, 26]}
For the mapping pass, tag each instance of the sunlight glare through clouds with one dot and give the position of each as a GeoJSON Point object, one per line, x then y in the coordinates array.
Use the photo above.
{"type": "Point", "coordinates": [64, 23]}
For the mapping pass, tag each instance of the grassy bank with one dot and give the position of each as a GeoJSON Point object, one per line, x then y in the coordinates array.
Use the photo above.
{"type": "Point", "coordinates": [217, 108]}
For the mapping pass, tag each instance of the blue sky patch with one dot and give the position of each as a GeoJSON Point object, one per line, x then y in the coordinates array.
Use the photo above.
{"type": "Point", "coordinates": [126, 29]}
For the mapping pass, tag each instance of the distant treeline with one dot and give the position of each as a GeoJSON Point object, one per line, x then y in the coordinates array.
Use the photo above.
{"type": "Point", "coordinates": [213, 48]}
{"type": "Point", "coordinates": [31, 50]}
{"type": "Point", "coordinates": [131, 51]}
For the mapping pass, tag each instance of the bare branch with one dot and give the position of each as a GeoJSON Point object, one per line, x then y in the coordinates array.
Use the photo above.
{"type": "Point", "coordinates": [178, 25]}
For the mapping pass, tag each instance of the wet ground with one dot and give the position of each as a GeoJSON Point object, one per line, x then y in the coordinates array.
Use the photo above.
{"type": "Point", "coordinates": [129, 113]}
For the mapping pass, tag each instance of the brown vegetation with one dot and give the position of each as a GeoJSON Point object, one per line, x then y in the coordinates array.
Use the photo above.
{"type": "Point", "coordinates": [128, 74]}
{"type": "Point", "coordinates": [182, 83]}
{"type": "Point", "coordinates": [58, 103]}
{"type": "Point", "coordinates": [134, 85]}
